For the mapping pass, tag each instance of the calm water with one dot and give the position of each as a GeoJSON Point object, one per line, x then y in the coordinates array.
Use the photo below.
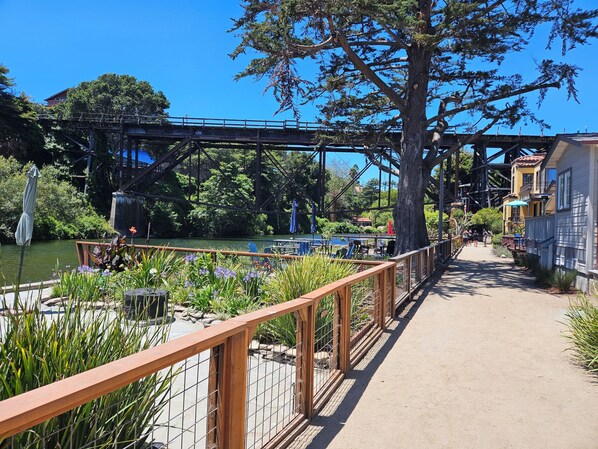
{"type": "Point", "coordinates": [42, 258]}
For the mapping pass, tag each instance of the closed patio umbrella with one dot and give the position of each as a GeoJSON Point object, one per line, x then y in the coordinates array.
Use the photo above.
{"type": "Point", "coordinates": [25, 226]}
{"type": "Point", "coordinates": [293, 226]}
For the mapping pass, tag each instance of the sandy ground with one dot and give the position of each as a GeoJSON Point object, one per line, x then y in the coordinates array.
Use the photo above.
{"type": "Point", "coordinates": [478, 361]}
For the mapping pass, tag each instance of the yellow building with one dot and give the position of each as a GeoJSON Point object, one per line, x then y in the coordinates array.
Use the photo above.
{"type": "Point", "coordinates": [532, 192]}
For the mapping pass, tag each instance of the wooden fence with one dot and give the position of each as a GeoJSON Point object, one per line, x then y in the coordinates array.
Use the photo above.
{"type": "Point", "coordinates": [248, 398]}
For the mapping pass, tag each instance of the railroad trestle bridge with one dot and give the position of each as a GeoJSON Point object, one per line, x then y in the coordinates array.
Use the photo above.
{"type": "Point", "coordinates": [486, 184]}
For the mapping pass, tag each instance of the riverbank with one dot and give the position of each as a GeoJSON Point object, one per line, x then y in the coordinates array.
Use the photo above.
{"type": "Point", "coordinates": [43, 258]}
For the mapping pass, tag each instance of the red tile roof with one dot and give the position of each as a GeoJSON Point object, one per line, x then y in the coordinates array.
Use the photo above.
{"type": "Point", "coordinates": [529, 161]}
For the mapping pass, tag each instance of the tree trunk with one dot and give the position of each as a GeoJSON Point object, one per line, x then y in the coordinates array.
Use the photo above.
{"type": "Point", "coordinates": [414, 175]}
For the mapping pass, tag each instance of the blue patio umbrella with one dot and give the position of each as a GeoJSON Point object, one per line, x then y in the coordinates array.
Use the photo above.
{"type": "Point", "coordinates": [293, 227]}
{"type": "Point", "coordinates": [516, 203]}
{"type": "Point", "coordinates": [313, 217]}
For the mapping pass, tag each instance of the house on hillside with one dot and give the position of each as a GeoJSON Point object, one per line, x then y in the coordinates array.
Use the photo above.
{"type": "Point", "coordinates": [574, 157]}
{"type": "Point", "coordinates": [532, 192]}
{"type": "Point", "coordinates": [361, 221]}
{"type": "Point", "coordinates": [57, 98]}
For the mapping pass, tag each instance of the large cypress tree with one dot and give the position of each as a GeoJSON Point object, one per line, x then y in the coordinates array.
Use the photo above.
{"type": "Point", "coordinates": [420, 65]}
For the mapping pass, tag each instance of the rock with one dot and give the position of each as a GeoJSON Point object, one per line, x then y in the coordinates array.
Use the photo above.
{"type": "Point", "coordinates": [502, 256]}
{"type": "Point", "coordinates": [192, 319]}
{"type": "Point", "coordinates": [322, 359]}
{"type": "Point", "coordinates": [279, 349]}
{"type": "Point", "coordinates": [179, 308]}
{"type": "Point", "coordinates": [185, 313]}
{"type": "Point", "coordinates": [54, 302]}
{"type": "Point", "coordinates": [213, 316]}
{"type": "Point", "coordinates": [215, 322]}
{"type": "Point", "coordinates": [265, 347]}
{"type": "Point", "coordinates": [196, 314]}
{"type": "Point", "coordinates": [254, 345]}
{"type": "Point", "coordinates": [292, 353]}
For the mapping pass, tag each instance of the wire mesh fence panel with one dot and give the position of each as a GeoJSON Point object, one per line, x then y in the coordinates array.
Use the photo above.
{"type": "Point", "coordinates": [271, 380]}
{"type": "Point", "coordinates": [166, 409]}
{"type": "Point", "coordinates": [188, 420]}
{"type": "Point", "coordinates": [365, 305]}
{"type": "Point", "coordinates": [401, 279]}
{"type": "Point", "coordinates": [325, 341]}
{"type": "Point", "coordinates": [390, 287]}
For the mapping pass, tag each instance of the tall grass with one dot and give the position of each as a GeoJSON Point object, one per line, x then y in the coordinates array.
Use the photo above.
{"type": "Point", "coordinates": [36, 351]}
{"type": "Point", "coordinates": [583, 331]}
{"type": "Point", "coordinates": [562, 280]}
{"type": "Point", "coordinates": [296, 279]}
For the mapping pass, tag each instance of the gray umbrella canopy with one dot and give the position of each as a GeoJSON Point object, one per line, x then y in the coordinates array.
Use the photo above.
{"type": "Point", "coordinates": [25, 226]}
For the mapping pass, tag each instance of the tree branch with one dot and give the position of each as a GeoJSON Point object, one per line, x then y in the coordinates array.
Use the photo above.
{"type": "Point", "coordinates": [476, 103]}
{"type": "Point", "coordinates": [365, 69]}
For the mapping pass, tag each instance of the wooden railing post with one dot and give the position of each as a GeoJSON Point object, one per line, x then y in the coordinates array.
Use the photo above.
{"type": "Point", "coordinates": [345, 329]}
{"type": "Point", "coordinates": [304, 385]}
{"type": "Point", "coordinates": [392, 284]}
{"type": "Point", "coordinates": [407, 276]}
{"type": "Point", "coordinates": [232, 391]}
{"type": "Point", "coordinates": [381, 287]}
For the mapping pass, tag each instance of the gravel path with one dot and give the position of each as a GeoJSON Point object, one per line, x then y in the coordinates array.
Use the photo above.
{"type": "Point", "coordinates": [478, 361]}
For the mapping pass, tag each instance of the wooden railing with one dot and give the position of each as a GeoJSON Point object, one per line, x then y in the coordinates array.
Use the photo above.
{"type": "Point", "coordinates": [237, 384]}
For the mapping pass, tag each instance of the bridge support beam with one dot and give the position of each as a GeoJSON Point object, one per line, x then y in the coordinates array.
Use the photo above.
{"type": "Point", "coordinates": [127, 211]}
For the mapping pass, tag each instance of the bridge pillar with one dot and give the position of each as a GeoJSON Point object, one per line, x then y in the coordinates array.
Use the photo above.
{"type": "Point", "coordinates": [127, 211]}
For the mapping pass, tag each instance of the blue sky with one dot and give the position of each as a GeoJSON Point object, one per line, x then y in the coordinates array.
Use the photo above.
{"type": "Point", "coordinates": [181, 47]}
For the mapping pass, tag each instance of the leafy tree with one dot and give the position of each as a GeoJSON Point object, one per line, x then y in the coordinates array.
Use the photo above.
{"type": "Point", "coordinates": [226, 202]}
{"type": "Point", "coordinates": [490, 218]}
{"type": "Point", "coordinates": [415, 64]}
{"type": "Point", "coordinates": [20, 135]}
{"type": "Point", "coordinates": [61, 212]}
{"type": "Point", "coordinates": [111, 94]}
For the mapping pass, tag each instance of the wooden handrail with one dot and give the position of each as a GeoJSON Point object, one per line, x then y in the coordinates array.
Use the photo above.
{"type": "Point", "coordinates": [232, 336]}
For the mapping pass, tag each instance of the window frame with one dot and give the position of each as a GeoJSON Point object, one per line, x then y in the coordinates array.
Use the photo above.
{"type": "Point", "coordinates": [563, 190]}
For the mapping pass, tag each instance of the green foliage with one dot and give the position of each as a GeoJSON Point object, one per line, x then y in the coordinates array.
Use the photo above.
{"type": "Point", "coordinates": [583, 331]}
{"type": "Point", "coordinates": [298, 278]}
{"type": "Point", "coordinates": [329, 228]}
{"type": "Point", "coordinates": [490, 218]}
{"type": "Point", "coordinates": [20, 135]}
{"type": "Point", "coordinates": [61, 212]}
{"type": "Point", "coordinates": [115, 94]}
{"type": "Point", "coordinates": [562, 280]}
{"type": "Point", "coordinates": [117, 256]}
{"type": "Point", "coordinates": [35, 351]}
{"type": "Point", "coordinates": [432, 220]}
{"type": "Point", "coordinates": [497, 239]}
{"type": "Point", "coordinates": [232, 192]}
{"type": "Point", "coordinates": [499, 251]}
{"type": "Point", "coordinates": [82, 284]}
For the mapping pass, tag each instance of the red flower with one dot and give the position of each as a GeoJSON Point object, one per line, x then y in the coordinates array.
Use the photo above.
{"type": "Point", "coordinates": [133, 230]}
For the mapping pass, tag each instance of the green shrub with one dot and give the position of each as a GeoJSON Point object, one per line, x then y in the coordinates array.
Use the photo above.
{"type": "Point", "coordinates": [61, 212]}
{"type": "Point", "coordinates": [496, 239]}
{"type": "Point", "coordinates": [36, 351]}
{"type": "Point", "coordinates": [543, 275]}
{"type": "Point", "coordinates": [583, 331]}
{"type": "Point", "coordinates": [296, 279]}
{"type": "Point", "coordinates": [562, 280]}
{"type": "Point", "coordinates": [500, 251]}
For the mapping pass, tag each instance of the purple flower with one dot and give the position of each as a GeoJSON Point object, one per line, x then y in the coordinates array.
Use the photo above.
{"type": "Point", "coordinates": [189, 258]}
{"type": "Point", "coordinates": [251, 275]}
{"type": "Point", "coordinates": [203, 271]}
{"type": "Point", "coordinates": [106, 272]}
{"type": "Point", "coordinates": [189, 284]}
{"type": "Point", "coordinates": [84, 269]}
{"type": "Point", "coordinates": [224, 273]}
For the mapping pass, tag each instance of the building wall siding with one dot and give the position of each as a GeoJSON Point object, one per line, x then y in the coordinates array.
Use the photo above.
{"type": "Point", "coordinates": [571, 225]}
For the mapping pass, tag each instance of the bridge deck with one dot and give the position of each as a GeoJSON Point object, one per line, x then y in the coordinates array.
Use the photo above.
{"type": "Point", "coordinates": [478, 362]}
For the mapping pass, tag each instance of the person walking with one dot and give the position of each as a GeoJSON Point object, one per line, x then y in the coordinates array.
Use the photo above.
{"type": "Point", "coordinates": [475, 237]}
{"type": "Point", "coordinates": [466, 238]}
{"type": "Point", "coordinates": [485, 236]}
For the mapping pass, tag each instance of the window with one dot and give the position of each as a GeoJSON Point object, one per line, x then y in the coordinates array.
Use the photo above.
{"type": "Point", "coordinates": [528, 179]}
{"type": "Point", "coordinates": [563, 188]}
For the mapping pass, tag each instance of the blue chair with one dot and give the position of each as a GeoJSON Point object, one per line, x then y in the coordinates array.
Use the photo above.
{"type": "Point", "coordinates": [350, 252]}
{"type": "Point", "coordinates": [252, 247]}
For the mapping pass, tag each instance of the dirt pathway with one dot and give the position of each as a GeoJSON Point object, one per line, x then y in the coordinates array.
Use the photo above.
{"type": "Point", "coordinates": [479, 361]}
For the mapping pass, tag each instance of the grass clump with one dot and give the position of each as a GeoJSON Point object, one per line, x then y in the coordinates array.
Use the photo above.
{"type": "Point", "coordinates": [562, 280]}
{"type": "Point", "coordinates": [583, 331]}
{"type": "Point", "coordinates": [36, 351]}
{"type": "Point", "coordinates": [500, 251]}
{"type": "Point", "coordinates": [296, 279]}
